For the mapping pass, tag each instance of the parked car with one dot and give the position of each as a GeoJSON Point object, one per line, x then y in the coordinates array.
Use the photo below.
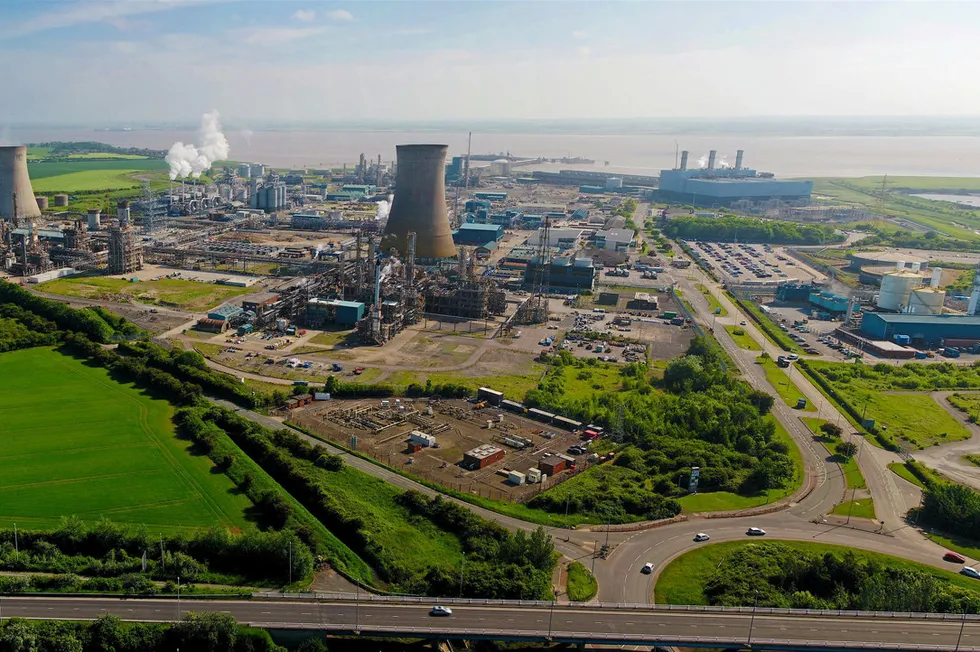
{"type": "Point", "coordinates": [954, 557]}
{"type": "Point", "coordinates": [755, 532]}
{"type": "Point", "coordinates": [701, 536]}
{"type": "Point", "coordinates": [647, 568]}
{"type": "Point", "coordinates": [441, 611]}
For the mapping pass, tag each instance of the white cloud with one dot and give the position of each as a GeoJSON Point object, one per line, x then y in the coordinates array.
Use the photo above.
{"type": "Point", "coordinates": [579, 34]}
{"type": "Point", "coordinates": [79, 13]}
{"type": "Point", "coordinates": [340, 14]}
{"type": "Point", "coordinates": [279, 35]}
{"type": "Point", "coordinates": [585, 50]}
{"type": "Point", "coordinates": [305, 16]}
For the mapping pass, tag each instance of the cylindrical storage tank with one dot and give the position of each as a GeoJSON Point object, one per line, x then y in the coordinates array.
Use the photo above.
{"type": "Point", "coordinates": [281, 190]}
{"type": "Point", "coordinates": [896, 288]}
{"type": "Point", "coordinates": [937, 277]}
{"type": "Point", "coordinates": [420, 203]}
{"type": "Point", "coordinates": [245, 170]}
{"type": "Point", "coordinates": [614, 183]}
{"type": "Point", "coordinates": [257, 170]}
{"type": "Point", "coordinates": [42, 202]}
{"type": "Point", "coordinates": [14, 180]}
{"type": "Point", "coordinates": [94, 219]}
{"type": "Point", "coordinates": [926, 301]}
{"type": "Point", "coordinates": [61, 200]}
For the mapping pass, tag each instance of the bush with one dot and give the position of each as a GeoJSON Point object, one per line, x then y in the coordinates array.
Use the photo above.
{"type": "Point", "coordinates": [846, 449]}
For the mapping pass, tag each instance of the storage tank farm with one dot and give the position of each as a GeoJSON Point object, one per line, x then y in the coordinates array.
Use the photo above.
{"type": "Point", "coordinates": [896, 288]}
{"type": "Point", "coordinates": [15, 185]}
{"type": "Point", "coordinates": [419, 205]}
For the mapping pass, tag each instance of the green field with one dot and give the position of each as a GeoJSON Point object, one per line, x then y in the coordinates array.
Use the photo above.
{"type": "Point", "coordinates": [968, 402]}
{"type": "Point", "coordinates": [781, 382]}
{"type": "Point", "coordinates": [514, 386]}
{"type": "Point", "coordinates": [861, 508]}
{"type": "Point", "coordinates": [743, 339]}
{"type": "Point", "coordinates": [76, 442]}
{"type": "Point", "coordinates": [49, 169]}
{"type": "Point", "coordinates": [178, 293]}
{"type": "Point", "coordinates": [720, 501]}
{"type": "Point", "coordinates": [582, 584]}
{"type": "Point", "coordinates": [852, 473]}
{"type": "Point", "coordinates": [683, 580]}
{"type": "Point", "coordinates": [899, 469]}
{"type": "Point", "coordinates": [106, 155]}
{"type": "Point", "coordinates": [88, 180]}
{"type": "Point", "coordinates": [916, 418]}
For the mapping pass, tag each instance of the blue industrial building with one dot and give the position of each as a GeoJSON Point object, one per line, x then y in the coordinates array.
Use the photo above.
{"type": "Point", "coordinates": [709, 186]}
{"type": "Point", "coordinates": [828, 302]}
{"type": "Point", "coordinates": [491, 196]}
{"type": "Point", "coordinates": [333, 311]}
{"type": "Point", "coordinates": [224, 313]}
{"type": "Point", "coordinates": [922, 330]}
{"type": "Point", "coordinates": [477, 234]}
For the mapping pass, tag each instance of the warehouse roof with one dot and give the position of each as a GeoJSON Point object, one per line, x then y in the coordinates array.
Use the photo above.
{"type": "Point", "coordinates": [474, 226]}
{"type": "Point", "coordinates": [894, 318]}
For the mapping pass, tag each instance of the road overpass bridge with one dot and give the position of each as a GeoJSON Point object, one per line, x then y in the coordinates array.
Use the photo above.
{"type": "Point", "coordinates": [532, 621]}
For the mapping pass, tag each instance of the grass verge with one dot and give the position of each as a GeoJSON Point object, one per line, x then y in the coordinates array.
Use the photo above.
{"type": "Point", "coordinates": [899, 469]}
{"type": "Point", "coordinates": [715, 305]}
{"type": "Point", "coordinates": [743, 339]}
{"type": "Point", "coordinates": [683, 580]}
{"type": "Point", "coordinates": [849, 466]}
{"type": "Point", "coordinates": [177, 293]}
{"type": "Point", "coordinates": [861, 508]}
{"type": "Point", "coordinates": [781, 382]}
{"type": "Point", "coordinates": [582, 585]}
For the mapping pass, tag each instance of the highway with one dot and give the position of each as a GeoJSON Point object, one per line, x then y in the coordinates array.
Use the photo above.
{"type": "Point", "coordinates": [616, 624]}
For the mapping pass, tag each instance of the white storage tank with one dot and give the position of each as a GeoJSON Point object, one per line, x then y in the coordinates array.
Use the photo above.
{"type": "Point", "coordinates": [516, 478]}
{"type": "Point", "coordinates": [926, 301]}
{"type": "Point", "coordinates": [614, 183]}
{"type": "Point", "coordinates": [896, 289]}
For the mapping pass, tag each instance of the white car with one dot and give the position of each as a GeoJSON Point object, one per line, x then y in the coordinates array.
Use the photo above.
{"type": "Point", "coordinates": [647, 568]}
{"type": "Point", "coordinates": [741, 323]}
{"type": "Point", "coordinates": [441, 611]}
{"type": "Point", "coordinates": [792, 356]}
{"type": "Point", "coordinates": [970, 572]}
{"type": "Point", "coordinates": [755, 532]}
{"type": "Point", "coordinates": [701, 536]}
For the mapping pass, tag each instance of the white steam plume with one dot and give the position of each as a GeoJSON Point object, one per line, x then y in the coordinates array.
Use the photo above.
{"type": "Point", "coordinates": [190, 161]}
{"type": "Point", "coordinates": [724, 164]}
{"type": "Point", "coordinates": [383, 208]}
{"type": "Point", "coordinates": [703, 162]}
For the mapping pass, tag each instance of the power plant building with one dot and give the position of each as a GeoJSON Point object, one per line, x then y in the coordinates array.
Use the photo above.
{"type": "Point", "coordinates": [419, 205]}
{"type": "Point", "coordinates": [471, 234]}
{"type": "Point", "coordinates": [564, 273]}
{"type": "Point", "coordinates": [712, 185]}
{"type": "Point", "coordinates": [922, 330]}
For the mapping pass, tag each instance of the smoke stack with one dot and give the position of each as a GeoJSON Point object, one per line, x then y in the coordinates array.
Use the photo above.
{"type": "Point", "coordinates": [711, 159]}
{"type": "Point", "coordinates": [684, 160]}
{"type": "Point", "coordinates": [937, 275]}
{"type": "Point", "coordinates": [738, 159]}
{"type": "Point", "coordinates": [15, 181]}
{"type": "Point", "coordinates": [420, 203]}
{"type": "Point", "coordinates": [94, 219]}
{"type": "Point", "coordinates": [122, 212]}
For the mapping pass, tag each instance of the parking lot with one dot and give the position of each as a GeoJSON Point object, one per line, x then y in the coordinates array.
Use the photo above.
{"type": "Point", "coordinates": [742, 263]}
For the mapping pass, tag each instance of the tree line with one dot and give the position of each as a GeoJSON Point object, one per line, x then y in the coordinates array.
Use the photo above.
{"type": "Point", "coordinates": [699, 415]}
{"type": "Point", "coordinates": [729, 228]}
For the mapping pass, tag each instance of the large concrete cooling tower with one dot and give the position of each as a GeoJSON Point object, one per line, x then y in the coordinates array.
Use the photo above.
{"type": "Point", "coordinates": [420, 203]}
{"type": "Point", "coordinates": [14, 179]}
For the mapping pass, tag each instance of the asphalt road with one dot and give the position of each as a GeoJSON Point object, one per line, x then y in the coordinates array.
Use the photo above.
{"type": "Point", "coordinates": [588, 624]}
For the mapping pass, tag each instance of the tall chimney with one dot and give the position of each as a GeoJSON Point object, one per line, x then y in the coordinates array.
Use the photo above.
{"type": "Point", "coordinates": [711, 159]}
{"type": "Point", "coordinates": [420, 203]}
{"type": "Point", "coordinates": [684, 160]}
{"type": "Point", "coordinates": [738, 159]}
{"type": "Point", "coordinates": [94, 219]}
{"type": "Point", "coordinates": [14, 180]}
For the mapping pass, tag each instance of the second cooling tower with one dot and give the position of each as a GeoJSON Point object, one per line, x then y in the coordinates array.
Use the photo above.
{"type": "Point", "coordinates": [420, 203]}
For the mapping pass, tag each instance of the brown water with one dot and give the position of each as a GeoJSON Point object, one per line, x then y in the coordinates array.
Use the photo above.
{"type": "Point", "coordinates": [786, 156]}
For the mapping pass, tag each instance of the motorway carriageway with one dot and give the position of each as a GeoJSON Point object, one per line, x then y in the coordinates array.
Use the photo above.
{"type": "Point", "coordinates": [620, 624]}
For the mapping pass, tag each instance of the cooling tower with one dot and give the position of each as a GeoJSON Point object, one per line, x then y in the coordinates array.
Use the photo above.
{"type": "Point", "coordinates": [14, 179]}
{"type": "Point", "coordinates": [420, 203]}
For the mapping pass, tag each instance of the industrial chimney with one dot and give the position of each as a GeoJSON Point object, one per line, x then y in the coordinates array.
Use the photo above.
{"type": "Point", "coordinates": [122, 212]}
{"type": "Point", "coordinates": [684, 160]}
{"type": "Point", "coordinates": [711, 159]}
{"type": "Point", "coordinates": [738, 159]}
{"type": "Point", "coordinates": [420, 203]}
{"type": "Point", "coordinates": [14, 181]}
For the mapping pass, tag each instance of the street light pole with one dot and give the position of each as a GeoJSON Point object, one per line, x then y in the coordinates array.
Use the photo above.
{"type": "Point", "coordinates": [752, 621]}
{"type": "Point", "coordinates": [960, 637]}
{"type": "Point", "coordinates": [178, 597]}
{"type": "Point", "coordinates": [551, 619]}
{"type": "Point", "coordinates": [595, 553]}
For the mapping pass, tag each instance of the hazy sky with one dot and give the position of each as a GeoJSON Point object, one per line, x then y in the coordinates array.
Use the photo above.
{"type": "Point", "coordinates": [100, 62]}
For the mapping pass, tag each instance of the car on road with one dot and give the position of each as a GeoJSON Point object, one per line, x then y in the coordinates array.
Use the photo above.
{"type": "Point", "coordinates": [954, 557]}
{"type": "Point", "coordinates": [701, 536]}
{"type": "Point", "coordinates": [755, 532]}
{"type": "Point", "coordinates": [792, 357]}
{"type": "Point", "coordinates": [741, 323]}
{"type": "Point", "coordinates": [647, 568]}
{"type": "Point", "coordinates": [441, 611]}
{"type": "Point", "coordinates": [970, 572]}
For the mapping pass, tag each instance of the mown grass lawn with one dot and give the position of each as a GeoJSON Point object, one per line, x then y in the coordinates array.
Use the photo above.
{"type": "Point", "coordinates": [74, 441]}
{"type": "Point", "coordinates": [713, 303]}
{"type": "Point", "coordinates": [899, 469]}
{"type": "Point", "coordinates": [743, 339]}
{"type": "Point", "coordinates": [782, 383]}
{"type": "Point", "coordinates": [683, 580]}
{"type": "Point", "coordinates": [916, 418]}
{"type": "Point", "coordinates": [178, 293]}
{"type": "Point", "coordinates": [852, 473]}
{"type": "Point", "coordinates": [862, 508]}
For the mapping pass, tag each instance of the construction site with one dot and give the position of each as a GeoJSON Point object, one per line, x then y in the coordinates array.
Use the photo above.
{"type": "Point", "coordinates": [487, 446]}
